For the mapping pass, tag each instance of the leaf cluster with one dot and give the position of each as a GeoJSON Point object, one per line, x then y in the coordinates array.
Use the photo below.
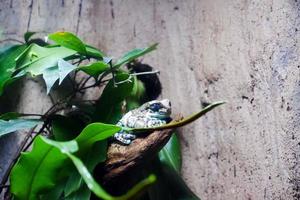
{"type": "Point", "coordinates": [67, 146]}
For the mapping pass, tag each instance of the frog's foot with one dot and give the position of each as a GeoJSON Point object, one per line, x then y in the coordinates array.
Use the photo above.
{"type": "Point", "coordinates": [124, 138]}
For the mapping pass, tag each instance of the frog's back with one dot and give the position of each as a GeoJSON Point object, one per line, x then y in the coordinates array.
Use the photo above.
{"type": "Point", "coordinates": [139, 119]}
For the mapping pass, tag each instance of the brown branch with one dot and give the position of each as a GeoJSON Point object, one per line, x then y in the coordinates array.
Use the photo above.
{"type": "Point", "coordinates": [121, 159]}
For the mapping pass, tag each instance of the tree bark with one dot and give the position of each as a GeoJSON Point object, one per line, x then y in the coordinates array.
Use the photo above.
{"type": "Point", "coordinates": [122, 159]}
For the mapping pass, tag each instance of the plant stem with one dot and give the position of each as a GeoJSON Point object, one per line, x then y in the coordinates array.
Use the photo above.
{"type": "Point", "coordinates": [93, 85]}
{"type": "Point", "coordinates": [38, 133]}
{"type": "Point", "coordinates": [11, 39]}
{"type": "Point", "coordinates": [30, 114]}
{"type": "Point", "coordinates": [143, 73]}
{"type": "Point", "coordinates": [112, 72]}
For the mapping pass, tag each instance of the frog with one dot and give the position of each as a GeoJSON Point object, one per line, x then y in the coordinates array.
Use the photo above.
{"type": "Point", "coordinates": [151, 114]}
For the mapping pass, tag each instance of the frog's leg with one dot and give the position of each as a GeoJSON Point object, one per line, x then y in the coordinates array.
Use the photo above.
{"type": "Point", "coordinates": [124, 137]}
{"type": "Point", "coordinates": [154, 122]}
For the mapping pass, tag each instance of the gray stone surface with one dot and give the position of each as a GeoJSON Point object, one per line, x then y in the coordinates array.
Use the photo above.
{"type": "Point", "coordinates": [245, 52]}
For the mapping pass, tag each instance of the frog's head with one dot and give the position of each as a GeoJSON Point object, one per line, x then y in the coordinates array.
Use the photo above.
{"type": "Point", "coordinates": [160, 109]}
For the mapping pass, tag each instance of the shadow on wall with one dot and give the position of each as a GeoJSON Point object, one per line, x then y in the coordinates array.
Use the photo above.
{"type": "Point", "coordinates": [8, 103]}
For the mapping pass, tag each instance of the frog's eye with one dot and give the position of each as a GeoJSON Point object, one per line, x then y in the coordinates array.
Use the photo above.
{"type": "Point", "coordinates": [155, 107]}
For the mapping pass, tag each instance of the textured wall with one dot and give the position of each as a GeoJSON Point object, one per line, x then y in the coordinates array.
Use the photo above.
{"type": "Point", "coordinates": [245, 52]}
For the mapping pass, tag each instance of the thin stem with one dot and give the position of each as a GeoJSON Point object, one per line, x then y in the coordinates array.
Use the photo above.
{"type": "Point", "coordinates": [30, 114]}
{"type": "Point", "coordinates": [124, 81]}
{"type": "Point", "coordinates": [94, 85]}
{"type": "Point", "coordinates": [4, 186]}
{"type": "Point", "coordinates": [11, 39]}
{"type": "Point", "coordinates": [143, 73]}
{"type": "Point", "coordinates": [112, 72]}
{"type": "Point", "coordinates": [38, 133]}
{"type": "Point", "coordinates": [84, 82]}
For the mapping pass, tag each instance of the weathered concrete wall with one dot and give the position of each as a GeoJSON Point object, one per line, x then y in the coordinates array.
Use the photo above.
{"type": "Point", "coordinates": [245, 52]}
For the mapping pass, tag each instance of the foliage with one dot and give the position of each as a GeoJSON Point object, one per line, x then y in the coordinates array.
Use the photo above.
{"type": "Point", "coordinates": [7, 63]}
{"type": "Point", "coordinates": [60, 164]}
{"type": "Point", "coordinates": [12, 125]}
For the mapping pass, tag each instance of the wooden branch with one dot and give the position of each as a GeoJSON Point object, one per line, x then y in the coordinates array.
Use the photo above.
{"type": "Point", "coordinates": [123, 159]}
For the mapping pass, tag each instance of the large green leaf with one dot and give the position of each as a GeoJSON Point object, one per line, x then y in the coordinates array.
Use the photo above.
{"type": "Point", "coordinates": [64, 68]}
{"type": "Point", "coordinates": [95, 132]}
{"type": "Point", "coordinates": [75, 184]}
{"type": "Point", "coordinates": [67, 128]}
{"type": "Point", "coordinates": [108, 107]}
{"type": "Point", "coordinates": [50, 76]}
{"type": "Point", "coordinates": [68, 40]}
{"type": "Point", "coordinates": [94, 69]}
{"type": "Point", "coordinates": [96, 151]}
{"type": "Point", "coordinates": [130, 56]}
{"type": "Point", "coordinates": [40, 167]}
{"type": "Point", "coordinates": [182, 122]}
{"type": "Point", "coordinates": [171, 153]}
{"type": "Point", "coordinates": [7, 64]}
{"type": "Point", "coordinates": [35, 59]}
{"type": "Point", "coordinates": [93, 52]}
{"type": "Point", "coordinates": [38, 170]}
{"type": "Point", "coordinates": [82, 193]}
{"type": "Point", "coordinates": [59, 72]}
{"type": "Point", "coordinates": [16, 125]}
{"type": "Point", "coordinates": [55, 193]}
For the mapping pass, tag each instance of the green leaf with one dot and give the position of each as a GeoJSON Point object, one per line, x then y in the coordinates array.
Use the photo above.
{"type": "Point", "coordinates": [182, 122]}
{"type": "Point", "coordinates": [171, 153]}
{"type": "Point", "coordinates": [83, 193]}
{"type": "Point", "coordinates": [68, 40]}
{"type": "Point", "coordinates": [93, 52]}
{"type": "Point", "coordinates": [95, 68]}
{"type": "Point", "coordinates": [10, 115]}
{"type": "Point", "coordinates": [95, 132]}
{"type": "Point", "coordinates": [50, 76]}
{"type": "Point", "coordinates": [55, 193]}
{"type": "Point", "coordinates": [64, 68]}
{"type": "Point", "coordinates": [28, 35]}
{"type": "Point", "coordinates": [38, 170]}
{"type": "Point", "coordinates": [138, 92]}
{"type": "Point", "coordinates": [40, 167]}
{"type": "Point", "coordinates": [35, 59]}
{"type": "Point", "coordinates": [89, 180]}
{"type": "Point", "coordinates": [7, 63]}
{"type": "Point", "coordinates": [16, 125]}
{"type": "Point", "coordinates": [130, 56]}
{"type": "Point", "coordinates": [97, 154]}
{"type": "Point", "coordinates": [108, 107]}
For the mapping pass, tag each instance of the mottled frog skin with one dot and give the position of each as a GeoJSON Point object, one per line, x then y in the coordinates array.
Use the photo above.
{"type": "Point", "coordinates": [151, 114]}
